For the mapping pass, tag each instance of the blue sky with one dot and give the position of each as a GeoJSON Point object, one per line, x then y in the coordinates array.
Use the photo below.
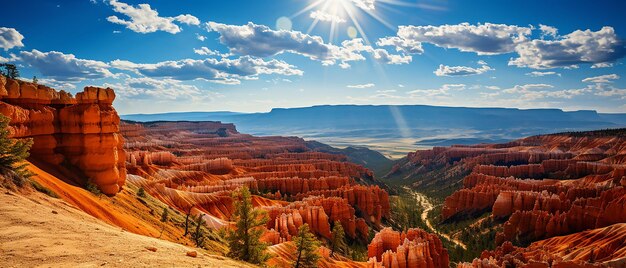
{"type": "Point", "coordinates": [254, 55]}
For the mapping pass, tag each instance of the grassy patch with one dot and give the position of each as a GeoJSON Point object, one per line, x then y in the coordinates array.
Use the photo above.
{"type": "Point", "coordinates": [42, 189]}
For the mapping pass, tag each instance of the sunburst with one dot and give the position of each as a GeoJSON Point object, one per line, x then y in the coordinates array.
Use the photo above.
{"type": "Point", "coordinates": [337, 12]}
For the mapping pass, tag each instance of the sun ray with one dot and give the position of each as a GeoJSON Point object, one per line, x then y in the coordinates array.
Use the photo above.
{"type": "Point", "coordinates": [357, 25]}
{"type": "Point", "coordinates": [379, 19]}
{"type": "Point", "coordinates": [309, 7]}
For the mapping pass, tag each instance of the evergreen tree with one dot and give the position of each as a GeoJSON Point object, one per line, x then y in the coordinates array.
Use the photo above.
{"type": "Point", "coordinates": [13, 152]}
{"type": "Point", "coordinates": [187, 214]}
{"type": "Point", "coordinates": [10, 70]}
{"type": "Point", "coordinates": [164, 218]}
{"type": "Point", "coordinates": [244, 242]}
{"type": "Point", "coordinates": [198, 234]}
{"type": "Point", "coordinates": [306, 248]}
{"type": "Point", "coordinates": [338, 241]}
{"type": "Point", "coordinates": [141, 192]}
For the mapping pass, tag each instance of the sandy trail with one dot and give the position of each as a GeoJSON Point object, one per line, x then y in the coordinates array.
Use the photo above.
{"type": "Point", "coordinates": [423, 201]}
{"type": "Point", "coordinates": [40, 231]}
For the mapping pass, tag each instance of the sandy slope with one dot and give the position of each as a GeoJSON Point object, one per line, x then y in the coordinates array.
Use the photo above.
{"type": "Point", "coordinates": [39, 231]}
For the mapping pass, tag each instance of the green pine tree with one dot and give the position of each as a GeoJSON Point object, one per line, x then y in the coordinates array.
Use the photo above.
{"type": "Point", "coordinates": [12, 153]}
{"type": "Point", "coordinates": [10, 70]}
{"type": "Point", "coordinates": [245, 242]}
{"type": "Point", "coordinates": [338, 241]}
{"type": "Point", "coordinates": [164, 218]}
{"type": "Point", "coordinates": [198, 234]}
{"type": "Point", "coordinates": [306, 248]}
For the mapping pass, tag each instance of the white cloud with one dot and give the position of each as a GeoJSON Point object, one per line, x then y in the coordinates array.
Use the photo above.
{"type": "Point", "coordinates": [157, 89]}
{"type": "Point", "coordinates": [483, 39]}
{"type": "Point", "coordinates": [570, 50]}
{"type": "Point", "coordinates": [53, 83]}
{"type": "Point", "coordinates": [187, 19]}
{"type": "Point", "coordinates": [540, 74]}
{"type": "Point", "coordinates": [205, 51]}
{"type": "Point", "coordinates": [444, 70]}
{"type": "Point", "coordinates": [530, 92]}
{"type": "Point", "coordinates": [607, 78]}
{"type": "Point", "coordinates": [548, 31]}
{"type": "Point", "coordinates": [200, 37]}
{"type": "Point", "coordinates": [65, 67]}
{"type": "Point", "coordinates": [404, 45]}
{"type": "Point", "coordinates": [11, 58]}
{"type": "Point", "coordinates": [610, 92]}
{"type": "Point", "coordinates": [444, 90]}
{"type": "Point", "coordinates": [323, 16]}
{"type": "Point", "coordinates": [10, 38]}
{"type": "Point", "coordinates": [526, 88]}
{"type": "Point", "coordinates": [602, 65]}
{"type": "Point", "coordinates": [226, 71]}
{"type": "Point", "coordinates": [261, 41]}
{"type": "Point", "coordinates": [368, 85]}
{"type": "Point", "coordinates": [144, 19]}
{"type": "Point", "coordinates": [365, 4]}
{"type": "Point", "coordinates": [383, 56]}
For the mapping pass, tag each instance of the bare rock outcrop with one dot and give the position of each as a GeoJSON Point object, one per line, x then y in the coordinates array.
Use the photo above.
{"type": "Point", "coordinates": [81, 131]}
{"type": "Point", "coordinates": [415, 248]}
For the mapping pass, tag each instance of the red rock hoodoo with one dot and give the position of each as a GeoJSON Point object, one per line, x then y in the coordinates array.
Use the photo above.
{"type": "Point", "coordinates": [199, 164]}
{"type": "Point", "coordinates": [81, 132]}
{"type": "Point", "coordinates": [543, 186]}
{"type": "Point", "coordinates": [415, 248]}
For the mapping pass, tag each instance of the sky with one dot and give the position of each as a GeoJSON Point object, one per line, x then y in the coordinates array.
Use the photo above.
{"type": "Point", "coordinates": [255, 55]}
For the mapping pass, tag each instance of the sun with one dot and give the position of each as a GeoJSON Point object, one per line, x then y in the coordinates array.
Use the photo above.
{"type": "Point", "coordinates": [348, 15]}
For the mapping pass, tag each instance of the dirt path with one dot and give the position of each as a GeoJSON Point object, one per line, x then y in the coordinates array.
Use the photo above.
{"type": "Point", "coordinates": [39, 231]}
{"type": "Point", "coordinates": [423, 201]}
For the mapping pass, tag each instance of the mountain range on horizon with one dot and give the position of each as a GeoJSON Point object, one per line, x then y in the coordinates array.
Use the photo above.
{"type": "Point", "coordinates": [397, 129]}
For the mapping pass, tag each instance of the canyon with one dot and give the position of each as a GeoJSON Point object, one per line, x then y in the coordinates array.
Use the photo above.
{"type": "Point", "coordinates": [554, 200]}
{"type": "Point", "coordinates": [547, 188]}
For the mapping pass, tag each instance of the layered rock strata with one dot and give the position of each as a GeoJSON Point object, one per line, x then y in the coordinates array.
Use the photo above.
{"type": "Point", "coordinates": [77, 132]}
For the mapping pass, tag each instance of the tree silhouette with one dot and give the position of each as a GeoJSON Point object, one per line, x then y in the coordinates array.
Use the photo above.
{"type": "Point", "coordinates": [10, 70]}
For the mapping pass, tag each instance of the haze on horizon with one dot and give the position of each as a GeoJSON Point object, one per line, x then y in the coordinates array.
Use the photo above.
{"type": "Point", "coordinates": [251, 56]}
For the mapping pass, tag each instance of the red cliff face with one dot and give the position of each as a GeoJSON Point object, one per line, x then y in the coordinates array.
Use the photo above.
{"type": "Point", "coordinates": [602, 247]}
{"type": "Point", "coordinates": [540, 187]}
{"type": "Point", "coordinates": [415, 248]}
{"type": "Point", "coordinates": [199, 164]}
{"type": "Point", "coordinates": [81, 131]}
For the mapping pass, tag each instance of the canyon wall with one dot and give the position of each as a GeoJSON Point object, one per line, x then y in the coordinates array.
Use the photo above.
{"type": "Point", "coordinates": [198, 164]}
{"type": "Point", "coordinates": [80, 132]}
{"type": "Point", "coordinates": [602, 247]}
{"type": "Point", "coordinates": [564, 193]}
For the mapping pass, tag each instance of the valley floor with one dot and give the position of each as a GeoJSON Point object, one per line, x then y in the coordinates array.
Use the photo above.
{"type": "Point", "coordinates": [427, 206]}
{"type": "Point", "coordinates": [40, 231]}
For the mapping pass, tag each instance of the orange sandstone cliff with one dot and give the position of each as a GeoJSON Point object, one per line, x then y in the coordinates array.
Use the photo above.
{"type": "Point", "coordinates": [80, 132]}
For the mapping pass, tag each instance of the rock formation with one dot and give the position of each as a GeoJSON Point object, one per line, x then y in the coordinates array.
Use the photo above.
{"type": "Point", "coordinates": [198, 165]}
{"type": "Point", "coordinates": [415, 248]}
{"type": "Point", "coordinates": [542, 187]}
{"type": "Point", "coordinates": [80, 132]}
{"type": "Point", "coordinates": [602, 247]}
